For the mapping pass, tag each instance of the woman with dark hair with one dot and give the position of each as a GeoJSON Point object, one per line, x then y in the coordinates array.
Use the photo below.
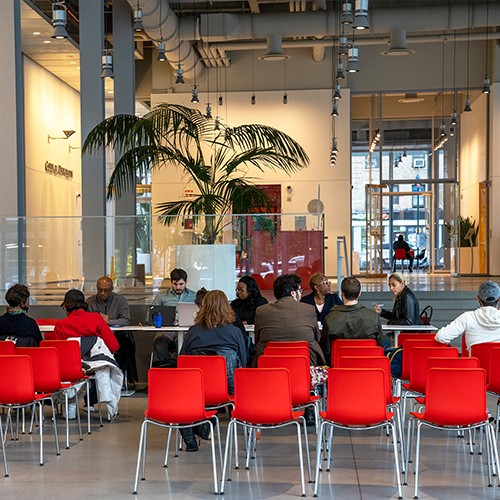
{"type": "Point", "coordinates": [249, 298]}
{"type": "Point", "coordinates": [405, 310]}
{"type": "Point", "coordinates": [214, 333]}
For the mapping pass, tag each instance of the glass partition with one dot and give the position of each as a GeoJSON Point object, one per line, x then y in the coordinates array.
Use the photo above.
{"type": "Point", "coordinates": [47, 253]}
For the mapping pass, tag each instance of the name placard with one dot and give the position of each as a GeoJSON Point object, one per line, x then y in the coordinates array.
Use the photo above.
{"type": "Point", "coordinates": [50, 168]}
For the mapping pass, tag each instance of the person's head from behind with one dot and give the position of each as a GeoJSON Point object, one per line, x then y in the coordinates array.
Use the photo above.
{"type": "Point", "coordinates": [18, 296]}
{"type": "Point", "coordinates": [288, 285]}
{"type": "Point", "coordinates": [178, 278]}
{"type": "Point", "coordinates": [319, 284]}
{"type": "Point", "coordinates": [215, 310]}
{"type": "Point", "coordinates": [247, 288]}
{"type": "Point", "coordinates": [350, 288]}
{"type": "Point", "coordinates": [489, 294]}
{"type": "Point", "coordinates": [73, 300]}
{"type": "Point", "coordinates": [200, 295]}
{"type": "Point", "coordinates": [397, 283]}
{"type": "Point", "coordinates": [400, 237]}
{"type": "Point", "coordinates": [104, 287]}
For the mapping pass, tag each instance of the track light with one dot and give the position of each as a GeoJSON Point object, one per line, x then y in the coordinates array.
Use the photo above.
{"type": "Point", "coordinates": [59, 21]}
{"type": "Point", "coordinates": [107, 64]}
{"type": "Point", "coordinates": [467, 104]}
{"type": "Point", "coordinates": [138, 26]}
{"type": "Point", "coordinates": [194, 94]}
{"type": "Point", "coordinates": [340, 71]}
{"type": "Point", "coordinates": [337, 95]}
{"type": "Point", "coordinates": [486, 85]}
{"type": "Point", "coordinates": [161, 52]}
{"type": "Point", "coordinates": [352, 59]}
{"type": "Point", "coordinates": [361, 15]}
{"type": "Point", "coordinates": [208, 111]}
{"type": "Point", "coordinates": [180, 74]}
{"type": "Point", "coordinates": [346, 17]}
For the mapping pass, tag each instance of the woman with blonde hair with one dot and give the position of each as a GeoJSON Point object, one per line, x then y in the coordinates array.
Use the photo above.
{"type": "Point", "coordinates": [405, 310]}
{"type": "Point", "coordinates": [213, 333]}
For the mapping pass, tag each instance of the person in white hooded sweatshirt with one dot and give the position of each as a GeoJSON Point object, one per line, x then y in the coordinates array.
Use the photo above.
{"type": "Point", "coordinates": [479, 326]}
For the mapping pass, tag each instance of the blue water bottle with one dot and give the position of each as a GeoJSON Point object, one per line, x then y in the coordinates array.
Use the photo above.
{"type": "Point", "coordinates": [158, 319]}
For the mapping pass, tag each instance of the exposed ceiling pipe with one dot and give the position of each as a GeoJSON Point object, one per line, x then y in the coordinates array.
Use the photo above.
{"type": "Point", "coordinates": [178, 48]}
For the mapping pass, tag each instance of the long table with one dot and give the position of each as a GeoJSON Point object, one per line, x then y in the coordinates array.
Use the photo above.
{"type": "Point", "coordinates": [397, 329]}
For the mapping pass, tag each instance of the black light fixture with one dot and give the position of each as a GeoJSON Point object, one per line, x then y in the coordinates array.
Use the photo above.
{"type": "Point", "coordinates": [194, 94]}
{"type": "Point", "coordinates": [340, 70]}
{"type": "Point", "coordinates": [352, 59]}
{"type": "Point", "coordinates": [107, 64]}
{"type": "Point", "coordinates": [361, 15]}
{"type": "Point", "coordinates": [336, 94]}
{"type": "Point", "coordinates": [285, 98]}
{"type": "Point", "coordinates": [334, 152]}
{"type": "Point", "coordinates": [208, 111]}
{"type": "Point", "coordinates": [335, 109]}
{"type": "Point", "coordinates": [346, 17]}
{"type": "Point", "coordinates": [138, 26]}
{"type": "Point", "coordinates": [217, 123]}
{"type": "Point", "coordinates": [180, 74]}
{"type": "Point", "coordinates": [343, 50]}
{"type": "Point", "coordinates": [253, 100]}
{"type": "Point", "coordinates": [59, 20]}
{"type": "Point", "coordinates": [162, 57]}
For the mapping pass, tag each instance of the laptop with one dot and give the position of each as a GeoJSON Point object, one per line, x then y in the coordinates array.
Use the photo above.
{"type": "Point", "coordinates": [186, 312]}
{"type": "Point", "coordinates": [167, 313]}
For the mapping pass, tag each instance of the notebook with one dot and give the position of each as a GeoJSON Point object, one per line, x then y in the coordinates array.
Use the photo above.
{"type": "Point", "coordinates": [167, 313]}
{"type": "Point", "coordinates": [186, 312]}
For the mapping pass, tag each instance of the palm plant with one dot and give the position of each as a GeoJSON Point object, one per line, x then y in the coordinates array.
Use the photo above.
{"type": "Point", "coordinates": [216, 161]}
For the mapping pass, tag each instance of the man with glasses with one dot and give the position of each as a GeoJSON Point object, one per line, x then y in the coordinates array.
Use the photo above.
{"type": "Point", "coordinates": [115, 311]}
{"type": "Point", "coordinates": [321, 297]}
{"type": "Point", "coordinates": [288, 319]}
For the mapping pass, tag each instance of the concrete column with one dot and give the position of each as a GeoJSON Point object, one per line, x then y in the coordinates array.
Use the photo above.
{"type": "Point", "coordinates": [92, 112]}
{"type": "Point", "coordinates": [124, 94]}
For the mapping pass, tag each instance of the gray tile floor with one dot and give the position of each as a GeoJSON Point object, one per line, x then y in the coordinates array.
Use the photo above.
{"type": "Point", "coordinates": [103, 466]}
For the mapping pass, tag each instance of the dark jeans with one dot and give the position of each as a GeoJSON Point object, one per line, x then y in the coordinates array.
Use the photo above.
{"type": "Point", "coordinates": [165, 348]}
{"type": "Point", "coordinates": [125, 356]}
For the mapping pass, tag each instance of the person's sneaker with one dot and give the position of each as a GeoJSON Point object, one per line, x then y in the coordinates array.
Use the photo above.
{"type": "Point", "coordinates": [87, 409]}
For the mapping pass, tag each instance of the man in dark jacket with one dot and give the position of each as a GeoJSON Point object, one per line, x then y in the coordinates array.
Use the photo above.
{"type": "Point", "coordinates": [16, 322]}
{"type": "Point", "coordinates": [401, 243]}
{"type": "Point", "coordinates": [350, 320]}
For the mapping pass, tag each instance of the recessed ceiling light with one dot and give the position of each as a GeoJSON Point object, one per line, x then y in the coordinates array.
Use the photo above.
{"type": "Point", "coordinates": [72, 62]}
{"type": "Point", "coordinates": [47, 41]}
{"type": "Point", "coordinates": [37, 32]}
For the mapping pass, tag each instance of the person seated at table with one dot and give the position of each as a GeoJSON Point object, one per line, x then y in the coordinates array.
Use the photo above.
{"type": "Point", "coordinates": [478, 326]}
{"type": "Point", "coordinates": [165, 343]}
{"type": "Point", "coordinates": [321, 297]}
{"type": "Point", "coordinates": [406, 310]}
{"type": "Point", "coordinates": [115, 311]}
{"type": "Point", "coordinates": [350, 320]}
{"type": "Point", "coordinates": [248, 300]}
{"type": "Point", "coordinates": [401, 243]}
{"type": "Point", "coordinates": [15, 323]}
{"type": "Point", "coordinates": [213, 333]}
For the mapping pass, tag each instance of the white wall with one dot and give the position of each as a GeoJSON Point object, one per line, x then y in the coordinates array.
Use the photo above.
{"type": "Point", "coordinates": [51, 106]}
{"type": "Point", "coordinates": [307, 119]}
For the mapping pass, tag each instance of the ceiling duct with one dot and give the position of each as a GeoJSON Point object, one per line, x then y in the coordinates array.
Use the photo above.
{"type": "Point", "coordinates": [274, 49]}
{"type": "Point", "coordinates": [410, 99]}
{"type": "Point", "coordinates": [397, 45]}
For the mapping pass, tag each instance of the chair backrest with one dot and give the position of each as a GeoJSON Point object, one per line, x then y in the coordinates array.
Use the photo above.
{"type": "Point", "coordinates": [418, 336]}
{"type": "Point", "coordinates": [456, 396]}
{"type": "Point", "coordinates": [262, 395]}
{"type": "Point", "coordinates": [288, 351]}
{"type": "Point", "coordinates": [494, 371]}
{"type": "Point", "coordinates": [16, 380]}
{"type": "Point", "coordinates": [288, 343]}
{"type": "Point", "coordinates": [70, 358]}
{"type": "Point", "coordinates": [400, 254]}
{"type": "Point", "coordinates": [214, 376]}
{"type": "Point", "coordinates": [418, 369]}
{"type": "Point", "coordinates": [381, 362]}
{"type": "Point", "coordinates": [349, 342]}
{"type": "Point", "coordinates": [452, 363]}
{"type": "Point", "coordinates": [348, 350]}
{"type": "Point", "coordinates": [176, 395]}
{"type": "Point", "coordinates": [482, 352]}
{"type": "Point", "coordinates": [7, 347]}
{"type": "Point", "coordinates": [45, 363]}
{"type": "Point", "coordinates": [356, 396]}
{"type": "Point", "coordinates": [300, 375]}
{"type": "Point", "coordinates": [410, 344]}
{"type": "Point", "coordinates": [47, 321]}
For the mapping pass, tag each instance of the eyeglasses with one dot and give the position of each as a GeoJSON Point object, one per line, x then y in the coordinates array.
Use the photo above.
{"type": "Point", "coordinates": [241, 289]}
{"type": "Point", "coordinates": [300, 290]}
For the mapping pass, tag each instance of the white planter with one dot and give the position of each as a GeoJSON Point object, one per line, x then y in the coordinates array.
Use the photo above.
{"type": "Point", "coordinates": [209, 266]}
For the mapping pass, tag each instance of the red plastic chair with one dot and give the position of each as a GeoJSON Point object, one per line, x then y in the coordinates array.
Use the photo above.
{"type": "Point", "coordinates": [349, 342]}
{"type": "Point", "coordinates": [392, 402]}
{"type": "Point", "coordinates": [356, 401]}
{"type": "Point", "coordinates": [410, 344]}
{"type": "Point", "coordinates": [17, 391]}
{"type": "Point", "coordinates": [175, 401]}
{"type": "Point", "coordinates": [482, 352]}
{"type": "Point", "coordinates": [455, 400]}
{"type": "Point", "coordinates": [417, 336]}
{"type": "Point", "coordinates": [493, 387]}
{"type": "Point", "coordinates": [348, 350]}
{"type": "Point", "coordinates": [399, 254]}
{"type": "Point", "coordinates": [72, 376]}
{"type": "Point", "coordinates": [288, 343]}
{"type": "Point", "coordinates": [288, 351]}
{"type": "Point", "coordinates": [262, 400]}
{"type": "Point", "coordinates": [7, 348]}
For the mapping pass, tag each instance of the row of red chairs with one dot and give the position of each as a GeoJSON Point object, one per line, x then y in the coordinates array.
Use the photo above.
{"type": "Point", "coordinates": [33, 375]}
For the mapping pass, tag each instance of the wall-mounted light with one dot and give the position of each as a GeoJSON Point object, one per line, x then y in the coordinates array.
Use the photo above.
{"type": "Point", "coordinates": [107, 64]}
{"type": "Point", "coordinates": [67, 135]}
{"type": "Point", "coordinates": [70, 147]}
{"type": "Point", "coordinates": [59, 21]}
{"type": "Point", "coordinates": [138, 26]}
